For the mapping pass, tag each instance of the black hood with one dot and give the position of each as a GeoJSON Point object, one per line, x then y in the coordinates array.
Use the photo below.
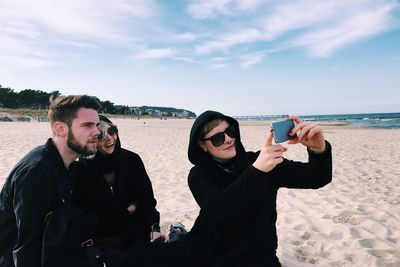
{"type": "Point", "coordinates": [118, 142]}
{"type": "Point", "coordinates": [196, 155]}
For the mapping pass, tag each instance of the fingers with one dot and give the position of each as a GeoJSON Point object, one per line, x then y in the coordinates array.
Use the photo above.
{"type": "Point", "coordinates": [276, 149]}
{"type": "Point", "coordinates": [308, 131]}
{"type": "Point", "coordinates": [304, 130]}
{"type": "Point", "coordinates": [269, 157]}
{"type": "Point", "coordinates": [294, 118]}
{"type": "Point", "coordinates": [275, 153]}
{"type": "Point", "coordinates": [270, 136]}
{"type": "Point", "coordinates": [297, 127]}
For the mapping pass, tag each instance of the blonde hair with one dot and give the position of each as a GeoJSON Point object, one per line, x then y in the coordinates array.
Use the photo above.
{"type": "Point", "coordinates": [209, 126]}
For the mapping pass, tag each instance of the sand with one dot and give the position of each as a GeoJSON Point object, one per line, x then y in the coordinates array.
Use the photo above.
{"type": "Point", "coordinates": [354, 221]}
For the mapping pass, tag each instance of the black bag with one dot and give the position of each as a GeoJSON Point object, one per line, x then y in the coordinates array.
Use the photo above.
{"type": "Point", "coordinates": [67, 239]}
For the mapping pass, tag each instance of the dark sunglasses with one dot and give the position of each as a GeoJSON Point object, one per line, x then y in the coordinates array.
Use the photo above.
{"type": "Point", "coordinates": [111, 130]}
{"type": "Point", "coordinates": [218, 139]}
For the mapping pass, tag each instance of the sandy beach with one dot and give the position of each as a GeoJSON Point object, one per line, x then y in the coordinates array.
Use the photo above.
{"type": "Point", "coordinates": [354, 221]}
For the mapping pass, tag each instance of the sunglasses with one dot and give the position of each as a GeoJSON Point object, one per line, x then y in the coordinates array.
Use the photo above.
{"type": "Point", "coordinates": [111, 130]}
{"type": "Point", "coordinates": [218, 139]}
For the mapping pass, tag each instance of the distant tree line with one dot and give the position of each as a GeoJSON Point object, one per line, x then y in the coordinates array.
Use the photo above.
{"type": "Point", "coordinates": [37, 99]}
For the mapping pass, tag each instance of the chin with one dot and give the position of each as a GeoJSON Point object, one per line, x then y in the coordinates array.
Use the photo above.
{"type": "Point", "coordinates": [232, 155]}
{"type": "Point", "coordinates": [91, 151]}
{"type": "Point", "coordinates": [107, 151]}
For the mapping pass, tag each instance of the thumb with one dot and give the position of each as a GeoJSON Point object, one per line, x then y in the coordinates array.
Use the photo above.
{"type": "Point", "coordinates": [270, 135]}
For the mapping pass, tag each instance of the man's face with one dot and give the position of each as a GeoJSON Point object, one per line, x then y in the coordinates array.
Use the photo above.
{"type": "Point", "coordinates": [82, 135]}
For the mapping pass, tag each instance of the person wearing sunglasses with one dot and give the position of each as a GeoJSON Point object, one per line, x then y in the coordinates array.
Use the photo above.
{"type": "Point", "coordinates": [236, 191]}
{"type": "Point", "coordinates": [115, 186]}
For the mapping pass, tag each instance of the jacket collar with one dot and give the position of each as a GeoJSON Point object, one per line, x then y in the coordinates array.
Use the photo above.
{"type": "Point", "coordinates": [54, 154]}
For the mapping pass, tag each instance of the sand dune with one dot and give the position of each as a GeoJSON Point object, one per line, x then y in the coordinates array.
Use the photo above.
{"type": "Point", "coordinates": [354, 221]}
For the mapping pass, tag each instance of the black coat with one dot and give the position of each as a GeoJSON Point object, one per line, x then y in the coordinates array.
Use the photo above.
{"type": "Point", "coordinates": [236, 224]}
{"type": "Point", "coordinates": [131, 185]}
{"type": "Point", "coordinates": [37, 185]}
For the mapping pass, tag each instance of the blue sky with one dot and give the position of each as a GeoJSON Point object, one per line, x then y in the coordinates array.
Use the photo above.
{"type": "Point", "coordinates": [240, 57]}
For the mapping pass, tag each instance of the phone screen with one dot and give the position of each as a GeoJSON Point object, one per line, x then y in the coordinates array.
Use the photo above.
{"type": "Point", "coordinates": [281, 131]}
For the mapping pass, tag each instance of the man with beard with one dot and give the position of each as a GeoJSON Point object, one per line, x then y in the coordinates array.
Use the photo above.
{"type": "Point", "coordinates": [41, 181]}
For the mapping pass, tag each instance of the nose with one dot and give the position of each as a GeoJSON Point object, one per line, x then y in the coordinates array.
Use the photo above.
{"type": "Point", "coordinates": [97, 131]}
{"type": "Point", "coordinates": [228, 138]}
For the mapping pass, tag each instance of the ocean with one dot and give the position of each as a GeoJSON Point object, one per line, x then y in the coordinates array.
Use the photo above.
{"type": "Point", "coordinates": [372, 120]}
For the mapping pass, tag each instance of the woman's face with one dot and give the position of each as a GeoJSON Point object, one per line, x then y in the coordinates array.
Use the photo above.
{"type": "Point", "coordinates": [106, 146]}
{"type": "Point", "coordinates": [227, 150]}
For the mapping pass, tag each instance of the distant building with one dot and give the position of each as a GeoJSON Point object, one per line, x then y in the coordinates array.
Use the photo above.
{"type": "Point", "coordinates": [153, 112]}
{"type": "Point", "coordinates": [181, 114]}
{"type": "Point", "coordinates": [135, 111]}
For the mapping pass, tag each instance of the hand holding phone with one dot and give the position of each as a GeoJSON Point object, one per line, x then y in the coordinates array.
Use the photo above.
{"type": "Point", "coordinates": [281, 131]}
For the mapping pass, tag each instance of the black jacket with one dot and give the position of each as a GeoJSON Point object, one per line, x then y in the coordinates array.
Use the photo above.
{"type": "Point", "coordinates": [236, 224]}
{"type": "Point", "coordinates": [37, 185]}
{"type": "Point", "coordinates": [131, 185]}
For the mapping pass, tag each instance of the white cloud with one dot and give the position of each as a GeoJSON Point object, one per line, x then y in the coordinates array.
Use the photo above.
{"type": "Point", "coordinates": [250, 60]}
{"type": "Point", "coordinates": [320, 27]}
{"type": "Point", "coordinates": [249, 4]}
{"type": "Point", "coordinates": [13, 62]}
{"type": "Point", "coordinates": [78, 44]}
{"type": "Point", "coordinates": [187, 36]}
{"type": "Point", "coordinates": [39, 25]}
{"type": "Point", "coordinates": [201, 9]}
{"type": "Point", "coordinates": [218, 66]}
{"type": "Point", "coordinates": [297, 15]}
{"type": "Point", "coordinates": [156, 53]}
{"type": "Point", "coordinates": [223, 43]}
{"type": "Point", "coordinates": [42, 29]}
{"type": "Point", "coordinates": [361, 24]}
{"type": "Point", "coordinates": [185, 59]}
{"type": "Point", "coordinates": [90, 18]}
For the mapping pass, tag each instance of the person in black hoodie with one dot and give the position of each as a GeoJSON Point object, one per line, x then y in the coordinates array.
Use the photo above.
{"type": "Point", "coordinates": [236, 191]}
{"type": "Point", "coordinates": [115, 186]}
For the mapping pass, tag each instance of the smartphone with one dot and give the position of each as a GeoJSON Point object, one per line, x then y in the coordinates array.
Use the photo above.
{"type": "Point", "coordinates": [281, 131]}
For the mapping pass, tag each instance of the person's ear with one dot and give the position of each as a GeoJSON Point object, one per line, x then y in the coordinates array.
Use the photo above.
{"type": "Point", "coordinates": [202, 145]}
{"type": "Point", "coordinates": [60, 129]}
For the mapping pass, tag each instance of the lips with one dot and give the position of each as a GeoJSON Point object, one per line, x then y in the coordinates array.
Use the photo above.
{"type": "Point", "coordinates": [229, 147]}
{"type": "Point", "coordinates": [109, 144]}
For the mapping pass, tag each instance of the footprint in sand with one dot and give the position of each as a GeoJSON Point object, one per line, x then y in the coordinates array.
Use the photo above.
{"type": "Point", "coordinates": [336, 235]}
{"type": "Point", "coordinates": [355, 233]}
{"type": "Point", "coordinates": [303, 255]}
{"type": "Point", "coordinates": [381, 250]}
{"type": "Point", "coordinates": [306, 235]}
{"type": "Point", "coordinates": [373, 243]}
{"type": "Point", "coordinates": [346, 217]}
{"type": "Point", "coordinates": [299, 227]}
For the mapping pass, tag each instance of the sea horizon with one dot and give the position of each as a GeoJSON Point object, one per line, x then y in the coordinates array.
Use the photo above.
{"type": "Point", "coordinates": [371, 120]}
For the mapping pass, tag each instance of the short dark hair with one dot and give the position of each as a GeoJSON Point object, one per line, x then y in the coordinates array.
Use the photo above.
{"type": "Point", "coordinates": [64, 108]}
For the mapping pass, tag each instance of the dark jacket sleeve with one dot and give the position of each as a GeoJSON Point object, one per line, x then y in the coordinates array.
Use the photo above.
{"type": "Point", "coordinates": [312, 175]}
{"type": "Point", "coordinates": [227, 205]}
{"type": "Point", "coordinates": [32, 201]}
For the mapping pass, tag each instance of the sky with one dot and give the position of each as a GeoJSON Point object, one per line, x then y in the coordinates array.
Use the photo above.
{"type": "Point", "coordinates": [239, 57]}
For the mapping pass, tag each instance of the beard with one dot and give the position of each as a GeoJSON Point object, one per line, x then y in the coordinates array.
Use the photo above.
{"type": "Point", "coordinates": [78, 148]}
